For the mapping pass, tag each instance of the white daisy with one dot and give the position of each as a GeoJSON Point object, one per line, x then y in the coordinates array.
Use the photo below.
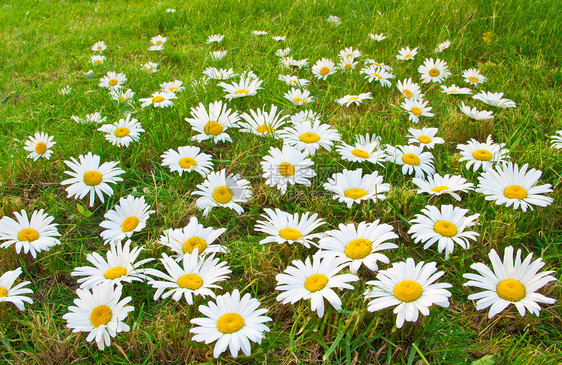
{"type": "Point", "coordinates": [406, 54]}
{"type": "Point", "coordinates": [278, 38]}
{"type": "Point", "coordinates": [455, 90]}
{"type": "Point", "coordinates": [507, 184]}
{"type": "Point", "coordinates": [556, 140]}
{"type": "Point", "coordinates": [376, 73]}
{"type": "Point", "coordinates": [293, 80]}
{"type": "Point", "coordinates": [310, 136]}
{"type": "Point", "coordinates": [158, 40]}
{"type": "Point", "coordinates": [293, 64]}
{"type": "Point", "coordinates": [187, 159]}
{"type": "Point", "coordinates": [222, 74]}
{"type": "Point", "coordinates": [193, 236]}
{"type": "Point", "coordinates": [494, 99]}
{"type": "Point", "coordinates": [323, 68]}
{"type": "Point", "coordinates": [123, 132]}
{"type": "Point", "coordinates": [282, 227]}
{"type": "Point", "coordinates": [442, 46]}
{"type": "Point", "coordinates": [175, 86]}
{"type": "Point", "coordinates": [413, 160]}
{"type": "Point", "coordinates": [214, 123]}
{"type": "Point", "coordinates": [354, 99]}
{"type": "Point", "coordinates": [287, 166]}
{"type": "Point", "coordinates": [223, 190]}
{"type": "Point", "coordinates": [298, 96]}
{"type": "Point", "coordinates": [258, 32]}
{"type": "Point", "coordinates": [425, 137]}
{"type": "Point", "coordinates": [475, 113]}
{"type": "Point", "coordinates": [150, 67]}
{"type": "Point", "coordinates": [439, 185]}
{"type": "Point", "coordinates": [170, 10]}
{"type": "Point", "coordinates": [67, 90]}
{"type": "Point", "coordinates": [93, 118]}
{"type": "Point", "coordinates": [409, 89]}
{"type": "Point", "coordinates": [351, 186]}
{"type": "Point", "coordinates": [88, 177]}
{"type": "Point", "coordinates": [156, 47]}
{"type": "Point", "coordinates": [305, 115]}
{"type": "Point", "coordinates": [159, 99]}
{"type": "Point", "coordinates": [99, 46]}
{"type": "Point", "coordinates": [127, 217]}
{"type": "Point", "coordinates": [334, 20]}
{"type": "Point", "coordinates": [473, 76]}
{"type": "Point", "coordinates": [434, 71]}
{"type": "Point", "coordinates": [216, 38]}
{"type": "Point", "coordinates": [262, 123]}
{"type": "Point", "coordinates": [39, 145]}
{"type": "Point", "coordinates": [377, 37]}
{"type": "Point", "coordinates": [113, 81]}
{"type": "Point", "coordinates": [97, 60]}
{"type": "Point", "coordinates": [122, 96]}
{"type": "Point", "coordinates": [416, 108]}
{"type": "Point", "coordinates": [349, 52]}
{"type": "Point", "coordinates": [218, 55]}
{"type": "Point", "coordinates": [282, 52]}
{"type": "Point", "coordinates": [347, 64]}
{"type": "Point", "coordinates": [246, 87]}
{"type": "Point", "coordinates": [14, 294]}
{"type": "Point", "coordinates": [482, 155]}
{"type": "Point", "coordinates": [372, 62]}
{"type": "Point", "coordinates": [366, 148]}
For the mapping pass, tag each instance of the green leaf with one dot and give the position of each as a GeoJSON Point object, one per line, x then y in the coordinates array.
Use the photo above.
{"type": "Point", "coordinates": [486, 360]}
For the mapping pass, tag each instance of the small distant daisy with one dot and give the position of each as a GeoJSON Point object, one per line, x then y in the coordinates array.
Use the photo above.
{"type": "Point", "coordinates": [475, 113]}
{"type": "Point", "coordinates": [215, 38]}
{"type": "Point", "coordinates": [323, 68]}
{"type": "Point", "coordinates": [97, 60]}
{"type": "Point", "coordinates": [354, 99]}
{"type": "Point", "coordinates": [416, 108]}
{"type": "Point", "coordinates": [262, 123]}
{"type": "Point", "coordinates": [409, 89]}
{"type": "Point", "coordinates": [127, 217]}
{"type": "Point", "coordinates": [305, 115]}
{"type": "Point", "coordinates": [191, 237]}
{"type": "Point", "coordinates": [298, 96]}
{"type": "Point", "coordinates": [156, 47]}
{"type": "Point", "coordinates": [445, 226]}
{"type": "Point", "coordinates": [158, 40]}
{"type": "Point", "coordinates": [218, 55]}
{"type": "Point", "coordinates": [39, 145]}
{"type": "Point", "coordinates": [282, 227]}
{"type": "Point", "coordinates": [413, 160]}
{"type": "Point", "coordinates": [278, 38]}
{"type": "Point", "coordinates": [233, 322]}
{"type": "Point", "coordinates": [122, 96]}
{"type": "Point", "coordinates": [88, 177]}
{"type": "Point", "coordinates": [358, 245]}
{"type": "Point", "coordinates": [406, 54]}
{"type": "Point", "coordinates": [67, 90]}
{"type": "Point", "coordinates": [351, 186]}
{"type": "Point", "coordinates": [473, 76]}
{"type": "Point", "coordinates": [507, 184]}
{"type": "Point", "coordinates": [293, 64]}
{"type": "Point", "coordinates": [150, 67]}
{"type": "Point", "coordinates": [214, 123]}
{"type": "Point", "coordinates": [511, 282]}
{"type": "Point", "coordinates": [375, 73]}
{"type": "Point", "coordinates": [175, 86]}
{"type": "Point", "coordinates": [409, 287]}
{"type": "Point", "coordinates": [246, 87]}
{"type": "Point", "coordinates": [310, 136]}
{"type": "Point", "coordinates": [216, 74]}
{"type": "Point", "coordinates": [90, 118]}
{"type": "Point", "coordinates": [31, 235]}
{"type": "Point", "coordinates": [347, 64]}
{"type": "Point", "coordinates": [482, 155]}
{"type": "Point", "coordinates": [366, 148]}
{"type": "Point", "coordinates": [556, 140]}
{"type": "Point", "coordinates": [372, 62]}
{"type": "Point", "coordinates": [113, 81]}
{"type": "Point", "coordinates": [119, 267]}
{"type": "Point", "coordinates": [494, 99]}
{"type": "Point", "coordinates": [282, 52]}
{"type": "Point", "coordinates": [377, 37]}
{"type": "Point", "coordinates": [314, 280]}
{"type": "Point", "coordinates": [287, 166]}
{"type": "Point", "coordinates": [258, 32]}
{"type": "Point", "coordinates": [101, 312]}
{"type": "Point", "coordinates": [14, 294]}
{"type": "Point", "coordinates": [425, 137]}
{"type": "Point", "coordinates": [123, 132]}
{"type": "Point", "coordinates": [442, 46]}
{"type": "Point", "coordinates": [159, 99]}
{"type": "Point", "coordinates": [334, 20]}
{"type": "Point", "coordinates": [434, 71]}
{"type": "Point", "coordinates": [223, 190]}
{"type": "Point", "coordinates": [293, 80]}
{"type": "Point", "coordinates": [170, 10]}
{"type": "Point", "coordinates": [455, 90]}
{"type": "Point", "coordinates": [187, 159]}
{"type": "Point", "coordinates": [349, 52]}
{"type": "Point", "coordinates": [439, 185]}
{"type": "Point", "coordinates": [99, 47]}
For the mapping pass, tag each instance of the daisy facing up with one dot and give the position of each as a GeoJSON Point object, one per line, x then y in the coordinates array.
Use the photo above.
{"type": "Point", "coordinates": [158, 40]}
{"type": "Point", "coordinates": [323, 68]}
{"type": "Point", "coordinates": [287, 166]}
{"type": "Point", "coordinates": [434, 71]}
{"type": "Point", "coordinates": [187, 159]}
{"type": "Point", "coordinates": [347, 64]}
{"type": "Point", "coordinates": [127, 217]}
{"type": "Point", "coordinates": [310, 136]}
{"type": "Point", "coordinates": [425, 137]}
{"type": "Point", "coordinates": [193, 236]}
{"type": "Point", "coordinates": [406, 54]}
{"type": "Point", "coordinates": [246, 87]}
{"type": "Point", "coordinates": [175, 86]}
{"type": "Point", "coordinates": [262, 123]}
{"type": "Point", "coordinates": [122, 96]}
{"type": "Point", "coordinates": [223, 190]}
{"type": "Point", "coordinates": [494, 99]}
{"type": "Point", "coordinates": [482, 155]}
{"type": "Point", "coordinates": [14, 294]}
{"type": "Point", "coordinates": [334, 20]}
{"type": "Point", "coordinates": [511, 282]}
{"type": "Point", "coordinates": [314, 280]}
{"type": "Point", "coordinates": [413, 160]}
{"type": "Point", "coordinates": [416, 108]}
{"type": "Point", "coordinates": [298, 96]}
{"type": "Point", "coordinates": [159, 99]}
{"type": "Point", "coordinates": [97, 60]}
{"type": "Point", "coordinates": [473, 76]}
{"type": "Point", "coordinates": [214, 123]}
{"type": "Point", "coordinates": [507, 184]}
{"type": "Point", "coordinates": [409, 89]}
{"type": "Point", "coordinates": [366, 148]}
{"type": "Point", "coordinates": [282, 227]}
{"type": "Point", "coordinates": [354, 187]}
{"type": "Point", "coordinates": [150, 67]}
{"type": "Point", "coordinates": [410, 288]}
{"type": "Point", "coordinates": [354, 99]}
{"type": "Point", "coordinates": [99, 46]}
{"type": "Point", "coordinates": [113, 81]}
{"type": "Point", "coordinates": [379, 74]}
{"type": "Point", "coordinates": [436, 185]}
{"type": "Point", "coordinates": [123, 132]}
{"type": "Point", "coordinates": [39, 145]}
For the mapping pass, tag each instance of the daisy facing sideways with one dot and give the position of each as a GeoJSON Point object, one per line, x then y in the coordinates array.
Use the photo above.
{"type": "Point", "coordinates": [494, 99]}
{"type": "Point", "coordinates": [473, 76]}
{"type": "Point", "coordinates": [366, 148]}
{"type": "Point", "coordinates": [354, 99]}
{"type": "Point", "coordinates": [232, 322]}
{"type": "Point", "coordinates": [193, 236]}
{"type": "Point", "coordinates": [187, 159]}
{"type": "Point", "coordinates": [416, 108]}
{"type": "Point", "coordinates": [314, 280]}
{"type": "Point", "coordinates": [353, 187]}
{"type": "Point", "coordinates": [347, 64]}
{"type": "Point", "coordinates": [378, 74]}
{"type": "Point", "coordinates": [334, 20]}
{"type": "Point", "coordinates": [425, 137]}
{"type": "Point", "coordinates": [293, 80]}
{"type": "Point", "coordinates": [310, 136]}
{"type": "Point", "coordinates": [413, 159]}
{"type": "Point", "coordinates": [159, 99]}
{"type": "Point", "coordinates": [377, 37]}
{"type": "Point", "coordinates": [455, 90]}
{"type": "Point", "coordinates": [39, 145]}
{"type": "Point", "coordinates": [409, 89]}
{"type": "Point", "coordinates": [298, 96]}
{"type": "Point", "coordinates": [287, 166]}
{"type": "Point", "coordinates": [175, 86]}
{"type": "Point", "coordinates": [123, 132]}
{"type": "Point", "coordinates": [434, 71]}
{"type": "Point", "coordinates": [246, 87]}
{"type": "Point", "coordinates": [410, 288]}
{"type": "Point", "coordinates": [557, 140]}
{"type": "Point", "coordinates": [97, 60]}
{"type": "Point", "coordinates": [127, 217]}
{"type": "Point", "coordinates": [261, 122]}
{"type": "Point", "coordinates": [511, 282]}
{"type": "Point", "coordinates": [30, 235]}
{"type": "Point", "coordinates": [406, 54]}
{"type": "Point", "coordinates": [14, 293]}
{"type": "Point", "coordinates": [223, 190]}
{"type": "Point", "coordinates": [436, 185]}
{"type": "Point", "coordinates": [282, 227]}
{"type": "Point", "coordinates": [122, 96]}
{"type": "Point", "coordinates": [475, 113]}
{"type": "Point", "coordinates": [213, 123]}
{"type": "Point", "coordinates": [482, 155]}
{"type": "Point", "coordinates": [215, 38]}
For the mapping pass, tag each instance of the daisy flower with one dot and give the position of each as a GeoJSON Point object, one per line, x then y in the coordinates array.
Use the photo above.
{"type": "Point", "coordinates": [175, 86]}
{"type": "Point", "coordinates": [156, 47]}
{"type": "Point", "coordinates": [39, 145]}
{"type": "Point", "coordinates": [158, 40]}
{"type": "Point", "coordinates": [354, 99]}
{"type": "Point", "coordinates": [494, 99]}
{"type": "Point", "coordinates": [282, 52]}
{"type": "Point", "coordinates": [439, 185]}
{"type": "Point", "coordinates": [195, 277]}
{"type": "Point", "coordinates": [170, 10]}
{"type": "Point", "coordinates": [113, 80]}
{"type": "Point", "coordinates": [416, 108]}
{"type": "Point", "coordinates": [293, 64]}
{"type": "Point", "coordinates": [434, 71]}
{"type": "Point", "coordinates": [123, 132]}
{"type": "Point", "coordinates": [334, 20]}
{"type": "Point", "coordinates": [150, 67]}
{"type": "Point", "coordinates": [215, 38]}
{"type": "Point", "coordinates": [349, 52]}
{"type": "Point", "coordinates": [88, 177]}
{"type": "Point", "coordinates": [455, 90]}
{"type": "Point", "coordinates": [425, 137]}
{"type": "Point", "coordinates": [442, 46]}
{"type": "Point", "coordinates": [99, 47]}
{"type": "Point", "coordinates": [413, 160]}
{"type": "Point", "coordinates": [473, 76]}
{"type": "Point", "coordinates": [232, 322]}
{"type": "Point", "coordinates": [511, 282]}
{"type": "Point", "coordinates": [223, 190]}
{"type": "Point", "coordinates": [94, 118]}
{"type": "Point", "coordinates": [282, 227]}
{"type": "Point", "coordinates": [278, 38]}
{"type": "Point", "coordinates": [122, 96]}
{"type": "Point", "coordinates": [482, 155]}
{"type": "Point", "coordinates": [127, 217]}
{"type": "Point", "coordinates": [347, 64]}
{"type": "Point", "coordinates": [366, 148]}
{"type": "Point", "coordinates": [193, 236]}
{"type": "Point", "coordinates": [67, 90]}
{"type": "Point", "coordinates": [314, 280]}
{"type": "Point", "coordinates": [351, 186]}
{"type": "Point", "coordinates": [376, 73]}
{"type": "Point", "coordinates": [406, 54]}
{"type": "Point", "coordinates": [159, 99]}
{"type": "Point", "coordinates": [97, 60]}
{"type": "Point", "coordinates": [119, 267]}
{"type": "Point", "coordinates": [556, 140]}
{"type": "Point", "coordinates": [305, 115]}
{"type": "Point", "coordinates": [310, 136]}
{"type": "Point", "coordinates": [372, 62]}
{"type": "Point", "coordinates": [293, 80]}
{"type": "Point", "coordinates": [187, 159]}
{"type": "Point", "coordinates": [258, 32]}
{"type": "Point", "coordinates": [14, 294]}
{"type": "Point", "coordinates": [409, 89]}
{"type": "Point", "coordinates": [287, 166]}
{"type": "Point", "coordinates": [507, 184]}
{"type": "Point", "coordinates": [218, 55]}
{"type": "Point", "coordinates": [33, 234]}
{"type": "Point", "coordinates": [475, 113]}
{"type": "Point", "coordinates": [377, 37]}
{"type": "Point", "coordinates": [214, 123]}
{"type": "Point", "coordinates": [323, 68]}
{"type": "Point", "coordinates": [358, 245]}
{"type": "Point", "coordinates": [262, 123]}
{"type": "Point", "coordinates": [298, 96]}
{"type": "Point", "coordinates": [101, 312]}
{"type": "Point", "coordinates": [409, 287]}
{"type": "Point", "coordinates": [216, 74]}
{"type": "Point", "coordinates": [246, 87]}
{"type": "Point", "coordinates": [445, 226]}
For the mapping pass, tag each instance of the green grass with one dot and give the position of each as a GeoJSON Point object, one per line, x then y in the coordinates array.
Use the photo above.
{"type": "Point", "coordinates": [46, 45]}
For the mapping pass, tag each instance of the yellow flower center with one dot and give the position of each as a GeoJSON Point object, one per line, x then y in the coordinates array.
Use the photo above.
{"type": "Point", "coordinates": [213, 128]}
{"type": "Point", "coordinates": [408, 93]}
{"type": "Point", "coordinates": [193, 243]}
{"type": "Point", "coordinates": [92, 178]}
{"type": "Point", "coordinates": [122, 98]}
{"type": "Point", "coordinates": [376, 75]}
{"type": "Point", "coordinates": [297, 100]}
{"type": "Point", "coordinates": [230, 323]}
{"type": "Point", "coordinates": [173, 89]}
{"type": "Point", "coordinates": [411, 159]}
{"type": "Point", "coordinates": [150, 69]}
{"type": "Point", "coordinates": [97, 62]}
{"type": "Point", "coordinates": [473, 79]}
{"type": "Point", "coordinates": [416, 111]}
{"type": "Point", "coordinates": [264, 129]}
{"type": "Point", "coordinates": [316, 282]}
{"type": "Point", "coordinates": [129, 224]}
{"type": "Point", "coordinates": [407, 57]}
{"type": "Point", "coordinates": [355, 193]}
{"type": "Point", "coordinates": [241, 91]}
{"type": "Point", "coordinates": [482, 155]}
{"type": "Point", "coordinates": [445, 228]}
{"type": "Point", "coordinates": [349, 55]}
{"type": "Point", "coordinates": [347, 67]}
{"type": "Point", "coordinates": [99, 48]}
{"type": "Point", "coordinates": [101, 315]}
{"type": "Point", "coordinates": [121, 132]}
{"type": "Point", "coordinates": [515, 192]}
{"type": "Point", "coordinates": [309, 137]}
{"type": "Point", "coordinates": [439, 189]}
{"type": "Point", "coordinates": [324, 71]}
{"type": "Point", "coordinates": [424, 139]}
{"type": "Point", "coordinates": [407, 291]}
{"type": "Point", "coordinates": [511, 290]}
{"type": "Point", "coordinates": [287, 169]}
{"type": "Point", "coordinates": [158, 42]}
{"type": "Point", "coordinates": [28, 234]}
{"type": "Point", "coordinates": [434, 72]}
{"type": "Point", "coordinates": [113, 82]}
{"type": "Point", "coordinates": [115, 272]}
{"type": "Point", "coordinates": [3, 292]}
{"type": "Point", "coordinates": [290, 234]}
{"type": "Point", "coordinates": [40, 148]}
{"type": "Point", "coordinates": [158, 99]}
{"type": "Point", "coordinates": [222, 194]}
{"type": "Point", "coordinates": [190, 281]}
{"type": "Point", "coordinates": [360, 153]}
{"type": "Point", "coordinates": [353, 98]}
{"type": "Point", "coordinates": [335, 22]}
{"type": "Point", "coordinates": [358, 249]}
{"type": "Point", "coordinates": [187, 163]}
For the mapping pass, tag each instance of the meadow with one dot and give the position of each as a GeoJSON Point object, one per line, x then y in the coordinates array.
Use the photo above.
{"type": "Point", "coordinates": [46, 46]}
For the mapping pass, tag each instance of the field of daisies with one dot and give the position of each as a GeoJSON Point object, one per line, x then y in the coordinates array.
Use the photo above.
{"type": "Point", "coordinates": [280, 182]}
